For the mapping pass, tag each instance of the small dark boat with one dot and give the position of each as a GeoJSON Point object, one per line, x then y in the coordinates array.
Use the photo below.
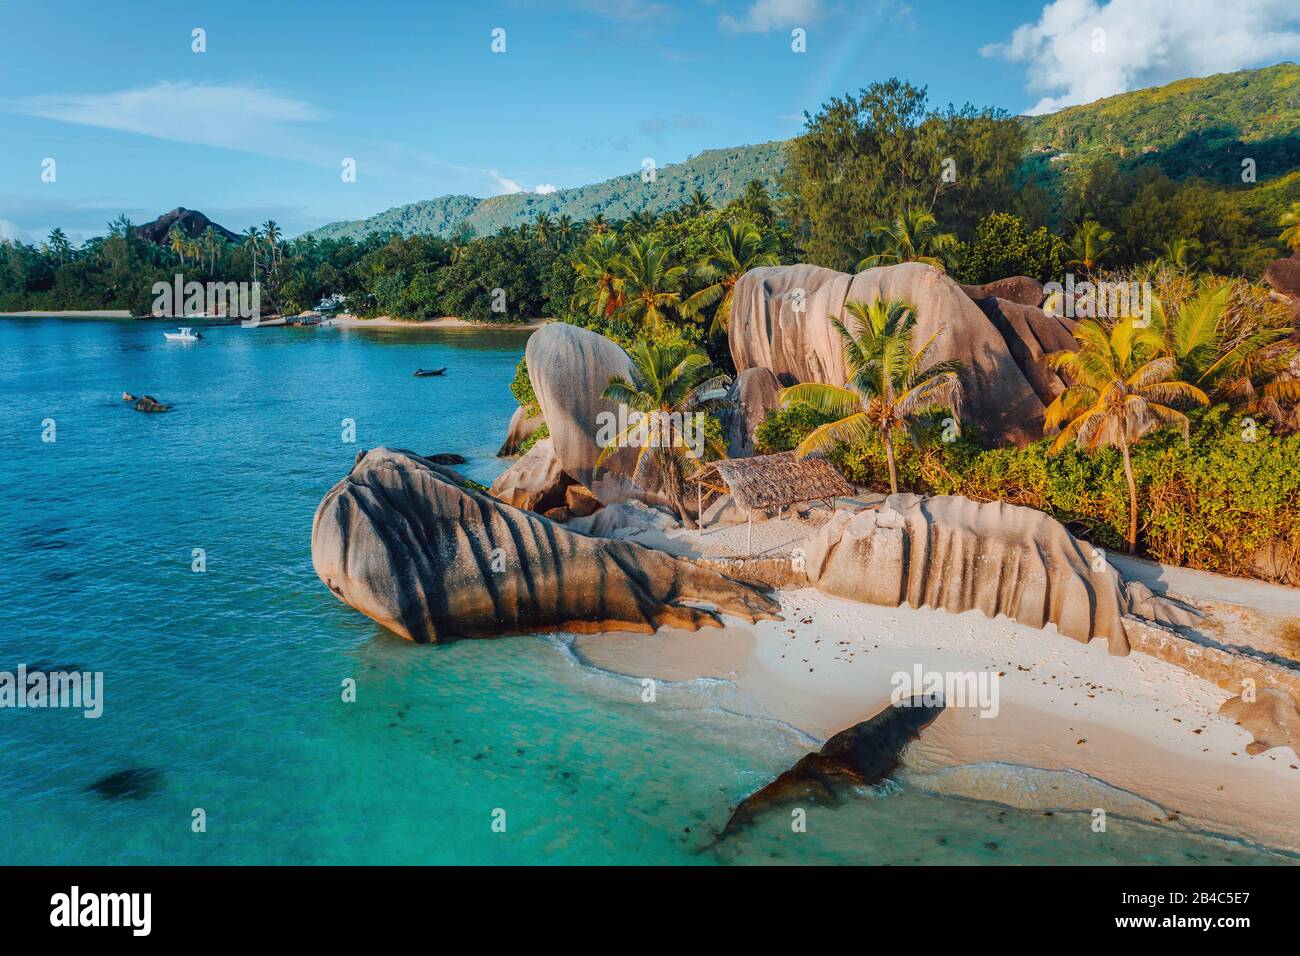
{"type": "Point", "coordinates": [424, 372]}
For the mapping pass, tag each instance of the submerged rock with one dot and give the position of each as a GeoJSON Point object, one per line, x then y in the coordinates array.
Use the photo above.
{"type": "Point", "coordinates": [128, 397]}
{"type": "Point", "coordinates": [147, 403]}
{"type": "Point", "coordinates": [956, 554]}
{"type": "Point", "coordinates": [858, 757]}
{"type": "Point", "coordinates": [410, 545]}
{"type": "Point", "coordinates": [136, 783]}
{"type": "Point", "coordinates": [446, 458]}
{"type": "Point", "coordinates": [780, 320]}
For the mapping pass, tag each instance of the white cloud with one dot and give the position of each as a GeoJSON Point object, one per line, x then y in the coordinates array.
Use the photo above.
{"type": "Point", "coordinates": [9, 231]}
{"type": "Point", "coordinates": [505, 184]}
{"type": "Point", "coordinates": [1143, 43]}
{"type": "Point", "coordinates": [545, 189]}
{"type": "Point", "coordinates": [236, 116]}
{"type": "Point", "coordinates": [763, 16]}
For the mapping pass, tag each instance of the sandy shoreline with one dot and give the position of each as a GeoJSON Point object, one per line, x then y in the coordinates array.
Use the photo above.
{"type": "Point", "coordinates": [1137, 723]}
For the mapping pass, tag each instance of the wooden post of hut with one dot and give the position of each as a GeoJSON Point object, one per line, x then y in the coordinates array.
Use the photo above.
{"type": "Point", "coordinates": [771, 483]}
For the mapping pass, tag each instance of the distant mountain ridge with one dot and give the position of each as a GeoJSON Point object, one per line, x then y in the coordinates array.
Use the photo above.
{"type": "Point", "coordinates": [1194, 126]}
{"type": "Point", "coordinates": [191, 221]}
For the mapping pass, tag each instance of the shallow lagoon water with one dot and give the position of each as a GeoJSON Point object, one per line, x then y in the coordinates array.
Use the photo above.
{"type": "Point", "coordinates": [229, 682]}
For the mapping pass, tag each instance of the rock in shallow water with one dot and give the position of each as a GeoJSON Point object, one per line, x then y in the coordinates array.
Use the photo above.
{"type": "Point", "coordinates": [408, 544]}
{"type": "Point", "coordinates": [135, 783]}
{"type": "Point", "coordinates": [858, 757]}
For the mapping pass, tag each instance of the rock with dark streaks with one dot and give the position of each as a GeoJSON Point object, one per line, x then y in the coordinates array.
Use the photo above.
{"type": "Point", "coordinates": [411, 545]}
{"type": "Point", "coordinates": [147, 403]}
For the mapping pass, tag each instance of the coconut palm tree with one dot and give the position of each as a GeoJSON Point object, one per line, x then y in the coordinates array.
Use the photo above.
{"type": "Point", "coordinates": [598, 224]}
{"type": "Point", "coordinates": [544, 227]}
{"type": "Point", "coordinates": [698, 204]}
{"type": "Point", "coordinates": [564, 232]}
{"type": "Point", "coordinates": [1092, 242]}
{"type": "Point", "coordinates": [890, 384]}
{"type": "Point", "coordinates": [1181, 254]}
{"type": "Point", "coordinates": [1122, 392]}
{"type": "Point", "coordinates": [252, 237]}
{"type": "Point", "coordinates": [211, 246]}
{"type": "Point", "coordinates": [736, 248]}
{"type": "Point", "coordinates": [598, 290]}
{"type": "Point", "coordinates": [1245, 368]}
{"type": "Point", "coordinates": [913, 236]}
{"type": "Point", "coordinates": [271, 232]}
{"type": "Point", "coordinates": [651, 285]}
{"type": "Point", "coordinates": [177, 241]}
{"type": "Point", "coordinates": [59, 244]}
{"type": "Point", "coordinates": [1290, 223]}
{"type": "Point", "coordinates": [669, 382]}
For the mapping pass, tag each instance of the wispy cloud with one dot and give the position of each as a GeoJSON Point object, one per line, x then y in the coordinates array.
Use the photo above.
{"type": "Point", "coordinates": [234, 116]}
{"type": "Point", "coordinates": [764, 16]}
{"type": "Point", "coordinates": [1080, 50]}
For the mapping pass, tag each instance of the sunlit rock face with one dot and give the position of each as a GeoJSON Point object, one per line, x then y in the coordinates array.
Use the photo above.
{"type": "Point", "coordinates": [781, 320]}
{"type": "Point", "coordinates": [959, 555]}
{"type": "Point", "coordinates": [408, 544]}
{"type": "Point", "coordinates": [570, 368]}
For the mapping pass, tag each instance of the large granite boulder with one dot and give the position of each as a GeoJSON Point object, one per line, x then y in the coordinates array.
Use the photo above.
{"type": "Point", "coordinates": [1031, 335]}
{"type": "Point", "coordinates": [522, 426]}
{"type": "Point", "coordinates": [1283, 277]}
{"type": "Point", "coordinates": [1021, 290]}
{"type": "Point", "coordinates": [536, 482]}
{"type": "Point", "coordinates": [410, 545]}
{"type": "Point", "coordinates": [569, 368]}
{"type": "Point", "coordinates": [956, 554]}
{"type": "Point", "coordinates": [752, 395]}
{"type": "Point", "coordinates": [780, 320]}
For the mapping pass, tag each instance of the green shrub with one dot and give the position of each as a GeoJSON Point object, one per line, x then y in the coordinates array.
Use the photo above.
{"type": "Point", "coordinates": [521, 387]}
{"type": "Point", "coordinates": [784, 428]}
{"type": "Point", "coordinates": [542, 432]}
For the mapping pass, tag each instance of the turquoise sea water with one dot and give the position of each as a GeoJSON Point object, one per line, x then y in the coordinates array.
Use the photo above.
{"type": "Point", "coordinates": [228, 682]}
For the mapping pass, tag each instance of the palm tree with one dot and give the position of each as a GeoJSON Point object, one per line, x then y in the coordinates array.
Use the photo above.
{"type": "Point", "coordinates": [890, 384]}
{"type": "Point", "coordinates": [669, 382]}
{"type": "Point", "coordinates": [698, 203]}
{"type": "Point", "coordinates": [59, 243]}
{"type": "Point", "coordinates": [177, 241]}
{"type": "Point", "coordinates": [1290, 221]}
{"type": "Point", "coordinates": [1243, 368]}
{"type": "Point", "coordinates": [1121, 393]}
{"type": "Point", "coordinates": [211, 245]}
{"type": "Point", "coordinates": [1092, 243]}
{"type": "Point", "coordinates": [271, 232]}
{"type": "Point", "coordinates": [736, 248]}
{"type": "Point", "coordinates": [545, 228]}
{"type": "Point", "coordinates": [650, 285]}
{"type": "Point", "coordinates": [1181, 254]}
{"type": "Point", "coordinates": [598, 224]}
{"type": "Point", "coordinates": [913, 236]}
{"type": "Point", "coordinates": [598, 290]}
{"type": "Point", "coordinates": [251, 240]}
{"type": "Point", "coordinates": [564, 231]}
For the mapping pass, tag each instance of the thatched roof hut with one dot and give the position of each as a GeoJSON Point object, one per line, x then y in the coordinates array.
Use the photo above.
{"type": "Point", "coordinates": [773, 481]}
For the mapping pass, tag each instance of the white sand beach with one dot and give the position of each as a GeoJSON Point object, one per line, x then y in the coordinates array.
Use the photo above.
{"type": "Point", "coordinates": [1137, 723]}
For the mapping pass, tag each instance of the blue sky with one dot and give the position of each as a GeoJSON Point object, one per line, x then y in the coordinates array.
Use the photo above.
{"type": "Point", "coordinates": [257, 126]}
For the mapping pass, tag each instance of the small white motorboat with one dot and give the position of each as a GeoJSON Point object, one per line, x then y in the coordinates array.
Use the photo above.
{"type": "Point", "coordinates": [184, 334]}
